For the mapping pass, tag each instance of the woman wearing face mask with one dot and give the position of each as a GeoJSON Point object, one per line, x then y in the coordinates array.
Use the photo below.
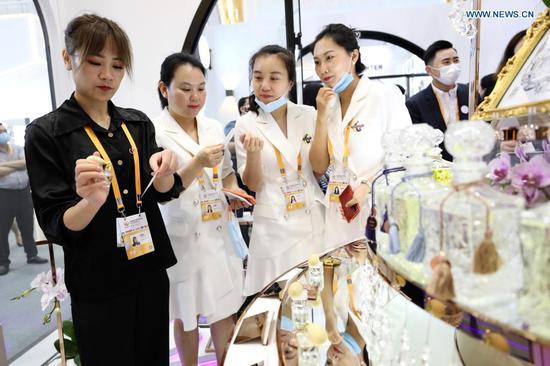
{"type": "Point", "coordinates": [353, 112]}
{"type": "Point", "coordinates": [208, 278]}
{"type": "Point", "coordinates": [272, 143]}
{"type": "Point", "coordinates": [119, 291]}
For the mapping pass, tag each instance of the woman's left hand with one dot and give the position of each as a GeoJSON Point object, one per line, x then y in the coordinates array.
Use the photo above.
{"type": "Point", "coordinates": [164, 163]}
{"type": "Point", "coordinates": [360, 194]}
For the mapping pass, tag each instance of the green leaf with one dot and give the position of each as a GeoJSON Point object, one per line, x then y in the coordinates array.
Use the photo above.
{"type": "Point", "coordinates": [24, 294]}
{"type": "Point", "coordinates": [68, 330]}
{"type": "Point", "coordinates": [546, 2]}
{"type": "Point", "coordinates": [77, 360]}
{"type": "Point", "coordinates": [70, 348]}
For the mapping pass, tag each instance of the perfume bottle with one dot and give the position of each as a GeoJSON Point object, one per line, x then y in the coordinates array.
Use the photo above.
{"type": "Point", "coordinates": [535, 297]}
{"type": "Point", "coordinates": [300, 310]}
{"type": "Point", "coordinates": [479, 228]}
{"type": "Point", "coordinates": [413, 224]}
{"type": "Point", "coordinates": [394, 156]}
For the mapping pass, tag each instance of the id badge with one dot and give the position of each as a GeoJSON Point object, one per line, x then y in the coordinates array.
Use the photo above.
{"type": "Point", "coordinates": [134, 235]}
{"type": "Point", "coordinates": [211, 205]}
{"type": "Point", "coordinates": [295, 197]}
{"type": "Point", "coordinates": [336, 185]}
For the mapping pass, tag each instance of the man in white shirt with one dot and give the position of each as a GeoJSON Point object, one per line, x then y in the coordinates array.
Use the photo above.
{"type": "Point", "coordinates": [16, 202]}
{"type": "Point", "coordinates": [443, 101]}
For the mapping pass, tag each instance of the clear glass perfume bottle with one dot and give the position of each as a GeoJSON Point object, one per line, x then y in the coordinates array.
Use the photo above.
{"type": "Point", "coordinates": [535, 297]}
{"type": "Point", "coordinates": [479, 226]}
{"type": "Point", "coordinates": [412, 200]}
{"type": "Point", "coordinates": [394, 156]}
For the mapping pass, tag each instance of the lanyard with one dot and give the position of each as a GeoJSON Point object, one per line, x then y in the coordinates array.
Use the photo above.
{"type": "Point", "coordinates": [281, 163]}
{"type": "Point", "coordinates": [215, 178]}
{"type": "Point", "coordinates": [114, 181]}
{"type": "Point", "coordinates": [441, 109]}
{"type": "Point", "coordinates": [346, 146]}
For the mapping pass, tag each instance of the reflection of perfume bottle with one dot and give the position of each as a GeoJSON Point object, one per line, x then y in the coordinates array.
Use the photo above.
{"type": "Point", "coordinates": [301, 313]}
{"type": "Point", "coordinates": [417, 227]}
{"type": "Point", "coordinates": [309, 341]}
{"type": "Point", "coordinates": [393, 165]}
{"type": "Point", "coordinates": [535, 297]}
{"type": "Point", "coordinates": [315, 272]}
{"type": "Point", "coordinates": [480, 226]}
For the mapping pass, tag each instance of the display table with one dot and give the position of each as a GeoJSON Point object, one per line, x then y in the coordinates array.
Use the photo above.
{"type": "Point", "coordinates": [405, 324]}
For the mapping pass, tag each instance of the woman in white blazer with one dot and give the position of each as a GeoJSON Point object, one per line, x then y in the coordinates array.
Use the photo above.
{"type": "Point", "coordinates": [353, 114]}
{"type": "Point", "coordinates": [272, 144]}
{"type": "Point", "coordinates": [208, 278]}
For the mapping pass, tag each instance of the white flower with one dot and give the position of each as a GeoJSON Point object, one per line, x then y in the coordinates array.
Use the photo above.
{"type": "Point", "coordinates": [44, 282]}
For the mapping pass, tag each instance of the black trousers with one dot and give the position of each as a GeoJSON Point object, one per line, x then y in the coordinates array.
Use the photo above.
{"type": "Point", "coordinates": [131, 329]}
{"type": "Point", "coordinates": [16, 203]}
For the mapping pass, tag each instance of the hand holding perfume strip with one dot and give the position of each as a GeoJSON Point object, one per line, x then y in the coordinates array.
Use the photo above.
{"type": "Point", "coordinates": [150, 183]}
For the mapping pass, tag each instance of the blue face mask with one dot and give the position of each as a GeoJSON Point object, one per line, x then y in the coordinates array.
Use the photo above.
{"type": "Point", "coordinates": [351, 343]}
{"type": "Point", "coordinates": [343, 83]}
{"type": "Point", "coordinates": [4, 138]}
{"type": "Point", "coordinates": [273, 106]}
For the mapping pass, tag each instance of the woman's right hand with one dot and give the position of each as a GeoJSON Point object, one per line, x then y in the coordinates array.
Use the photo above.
{"type": "Point", "coordinates": [323, 100]}
{"type": "Point", "coordinates": [252, 143]}
{"type": "Point", "coordinates": [91, 183]}
{"type": "Point", "coordinates": [210, 156]}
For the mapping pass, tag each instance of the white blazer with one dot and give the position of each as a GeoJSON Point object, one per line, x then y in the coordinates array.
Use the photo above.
{"type": "Point", "coordinates": [375, 108]}
{"type": "Point", "coordinates": [275, 230]}
{"type": "Point", "coordinates": [192, 239]}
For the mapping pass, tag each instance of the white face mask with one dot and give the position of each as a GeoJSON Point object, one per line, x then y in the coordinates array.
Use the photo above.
{"type": "Point", "coordinates": [449, 74]}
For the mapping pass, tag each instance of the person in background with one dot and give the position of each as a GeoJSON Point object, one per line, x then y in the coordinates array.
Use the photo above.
{"type": "Point", "coordinates": [15, 196]}
{"type": "Point", "coordinates": [272, 142]}
{"type": "Point", "coordinates": [244, 105]}
{"type": "Point", "coordinates": [208, 278]}
{"type": "Point", "coordinates": [514, 44]}
{"type": "Point", "coordinates": [444, 100]}
{"type": "Point", "coordinates": [353, 113]}
{"type": "Point", "coordinates": [75, 155]}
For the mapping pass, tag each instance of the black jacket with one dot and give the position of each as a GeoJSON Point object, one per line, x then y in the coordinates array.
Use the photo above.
{"type": "Point", "coordinates": [423, 108]}
{"type": "Point", "coordinates": [95, 267]}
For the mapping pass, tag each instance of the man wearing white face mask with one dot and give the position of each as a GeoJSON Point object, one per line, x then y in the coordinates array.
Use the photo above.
{"type": "Point", "coordinates": [444, 100]}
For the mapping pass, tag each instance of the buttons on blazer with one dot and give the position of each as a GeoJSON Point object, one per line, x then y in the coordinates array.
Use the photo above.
{"type": "Point", "coordinates": [125, 191]}
{"type": "Point", "coordinates": [219, 228]}
{"type": "Point", "coordinates": [110, 134]}
{"type": "Point", "coordinates": [354, 177]}
{"type": "Point", "coordinates": [285, 216]}
{"type": "Point", "coordinates": [197, 234]}
{"type": "Point", "coordinates": [119, 162]}
{"type": "Point", "coordinates": [195, 202]}
{"type": "Point", "coordinates": [308, 211]}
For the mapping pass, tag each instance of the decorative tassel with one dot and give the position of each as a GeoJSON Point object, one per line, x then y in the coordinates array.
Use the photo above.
{"type": "Point", "coordinates": [441, 285]}
{"type": "Point", "coordinates": [418, 248]}
{"type": "Point", "coordinates": [385, 228]}
{"type": "Point", "coordinates": [395, 245]}
{"type": "Point", "coordinates": [486, 258]}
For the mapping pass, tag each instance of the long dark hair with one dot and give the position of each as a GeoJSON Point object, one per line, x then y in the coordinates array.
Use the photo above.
{"type": "Point", "coordinates": [344, 37]}
{"type": "Point", "coordinates": [509, 51]}
{"type": "Point", "coordinates": [169, 67]}
{"type": "Point", "coordinates": [284, 55]}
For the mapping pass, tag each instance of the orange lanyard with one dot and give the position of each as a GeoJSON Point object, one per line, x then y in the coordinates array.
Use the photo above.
{"type": "Point", "coordinates": [349, 283]}
{"type": "Point", "coordinates": [346, 146]}
{"type": "Point", "coordinates": [281, 163]}
{"type": "Point", "coordinates": [114, 180]}
{"type": "Point", "coordinates": [442, 111]}
{"type": "Point", "coordinates": [215, 178]}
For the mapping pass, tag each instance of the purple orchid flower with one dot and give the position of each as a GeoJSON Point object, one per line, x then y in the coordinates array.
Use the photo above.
{"type": "Point", "coordinates": [530, 177]}
{"type": "Point", "coordinates": [520, 153]}
{"type": "Point", "coordinates": [499, 169]}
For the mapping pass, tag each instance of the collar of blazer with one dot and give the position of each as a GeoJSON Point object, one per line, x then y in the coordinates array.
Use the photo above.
{"type": "Point", "coordinates": [289, 146]}
{"type": "Point", "coordinates": [183, 141]}
{"type": "Point", "coordinates": [359, 95]}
